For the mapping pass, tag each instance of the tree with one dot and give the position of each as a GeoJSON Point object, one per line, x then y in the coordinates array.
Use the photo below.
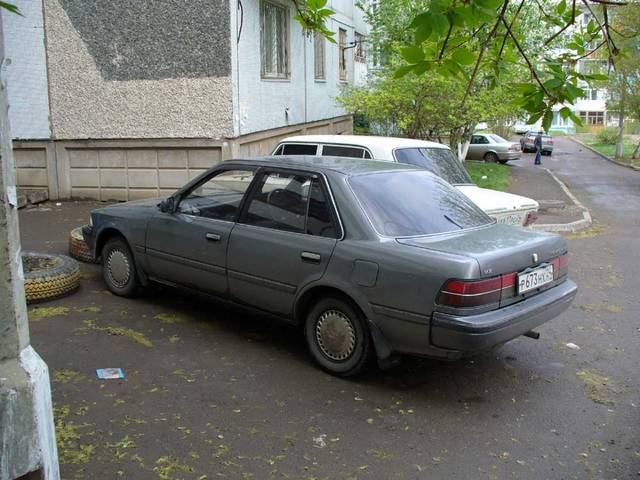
{"type": "Point", "coordinates": [623, 85]}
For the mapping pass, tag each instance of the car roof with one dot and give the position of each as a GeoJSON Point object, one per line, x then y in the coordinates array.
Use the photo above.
{"type": "Point", "coordinates": [363, 140]}
{"type": "Point", "coordinates": [344, 165]}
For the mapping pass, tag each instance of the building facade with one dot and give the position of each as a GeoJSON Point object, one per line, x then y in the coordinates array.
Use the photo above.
{"type": "Point", "coordinates": [592, 108]}
{"type": "Point", "coordinates": [124, 100]}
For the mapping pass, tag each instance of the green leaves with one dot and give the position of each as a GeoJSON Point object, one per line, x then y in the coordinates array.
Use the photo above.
{"type": "Point", "coordinates": [412, 54]}
{"type": "Point", "coordinates": [463, 56]}
{"type": "Point", "coordinates": [10, 7]}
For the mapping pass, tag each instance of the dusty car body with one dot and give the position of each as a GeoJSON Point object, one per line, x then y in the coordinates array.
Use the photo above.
{"type": "Point", "coordinates": [492, 148]}
{"type": "Point", "coordinates": [527, 143]}
{"type": "Point", "coordinates": [435, 157]}
{"type": "Point", "coordinates": [328, 244]}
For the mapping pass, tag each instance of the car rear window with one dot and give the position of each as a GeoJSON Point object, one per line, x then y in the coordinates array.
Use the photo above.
{"type": "Point", "coordinates": [297, 149]}
{"type": "Point", "coordinates": [439, 161]}
{"type": "Point", "coordinates": [410, 203]}
{"type": "Point", "coordinates": [498, 139]}
{"type": "Point", "coordinates": [342, 151]}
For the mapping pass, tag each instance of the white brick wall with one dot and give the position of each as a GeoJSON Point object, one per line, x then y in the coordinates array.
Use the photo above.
{"type": "Point", "coordinates": [26, 71]}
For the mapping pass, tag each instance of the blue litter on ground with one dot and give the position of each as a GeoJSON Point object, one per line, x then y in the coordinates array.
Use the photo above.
{"type": "Point", "coordinates": [109, 373]}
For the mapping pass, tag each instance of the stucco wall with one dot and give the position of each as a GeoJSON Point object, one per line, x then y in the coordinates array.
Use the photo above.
{"type": "Point", "coordinates": [262, 104]}
{"type": "Point", "coordinates": [25, 70]}
{"type": "Point", "coordinates": [162, 72]}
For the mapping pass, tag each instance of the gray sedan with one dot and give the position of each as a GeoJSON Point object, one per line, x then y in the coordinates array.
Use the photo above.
{"type": "Point", "coordinates": [492, 148]}
{"type": "Point", "coordinates": [371, 259]}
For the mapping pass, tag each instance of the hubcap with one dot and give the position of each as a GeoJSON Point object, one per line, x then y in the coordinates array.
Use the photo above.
{"type": "Point", "coordinates": [118, 268]}
{"type": "Point", "coordinates": [335, 335]}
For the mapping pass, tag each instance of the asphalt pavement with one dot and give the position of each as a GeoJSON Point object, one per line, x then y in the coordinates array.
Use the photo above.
{"type": "Point", "coordinates": [215, 393]}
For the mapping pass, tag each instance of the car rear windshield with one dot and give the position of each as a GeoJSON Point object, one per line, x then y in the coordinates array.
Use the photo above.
{"type": "Point", "coordinates": [410, 203]}
{"type": "Point", "coordinates": [498, 139]}
{"type": "Point", "coordinates": [439, 161]}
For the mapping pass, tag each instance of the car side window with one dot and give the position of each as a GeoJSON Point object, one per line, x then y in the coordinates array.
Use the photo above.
{"type": "Point", "coordinates": [342, 151]}
{"type": "Point", "coordinates": [279, 150]}
{"type": "Point", "coordinates": [319, 221]}
{"type": "Point", "coordinates": [279, 202]}
{"type": "Point", "coordinates": [219, 197]}
{"type": "Point", "coordinates": [298, 149]}
{"type": "Point", "coordinates": [478, 139]}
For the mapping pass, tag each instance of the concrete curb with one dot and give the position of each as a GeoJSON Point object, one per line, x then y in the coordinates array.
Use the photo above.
{"type": "Point", "coordinates": [566, 227]}
{"type": "Point", "coordinates": [612, 160]}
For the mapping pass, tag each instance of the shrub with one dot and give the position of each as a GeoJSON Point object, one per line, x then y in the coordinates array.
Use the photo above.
{"type": "Point", "coordinates": [607, 135]}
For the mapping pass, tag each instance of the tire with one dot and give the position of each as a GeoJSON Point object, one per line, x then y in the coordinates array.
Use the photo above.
{"type": "Point", "coordinates": [118, 268]}
{"type": "Point", "coordinates": [49, 276]}
{"type": "Point", "coordinates": [354, 351]}
{"type": "Point", "coordinates": [78, 248]}
{"type": "Point", "coordinates": [490, 157]}
{"type": "Point", "coordinates": [503, 162]}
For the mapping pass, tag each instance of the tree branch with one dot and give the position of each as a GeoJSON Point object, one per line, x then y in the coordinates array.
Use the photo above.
{"type": "Point", "coordinates": [573, 20]}
{"type": "Point", "coordinates": [482, 49]}
{"type": "Point", "coordinates": [506, 35]}
{"type": "Point", "coordinates": [526, 59]}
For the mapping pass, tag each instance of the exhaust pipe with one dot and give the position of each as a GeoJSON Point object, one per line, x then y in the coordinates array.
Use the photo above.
{"type": "Point", "coordinates": [532, 334]}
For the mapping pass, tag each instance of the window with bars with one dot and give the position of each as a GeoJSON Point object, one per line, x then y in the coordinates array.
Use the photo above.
{"type": "Point", "coordinates": [342, 57]}
{"type": "Point", "coordinates": [274, 40]}
{"type": "Point", "coordinates": [360, 48]}
{"type": "Point", "coordinates": [318, 55]}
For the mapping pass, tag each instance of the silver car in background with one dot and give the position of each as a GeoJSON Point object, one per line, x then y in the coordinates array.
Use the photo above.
{"type": "Point", "coordinates": [528, 139]}
{"type": "Point", "coordinates": [492, 148]}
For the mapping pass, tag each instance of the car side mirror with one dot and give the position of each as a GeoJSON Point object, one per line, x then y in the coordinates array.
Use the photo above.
{"type": "Point", "coordinates": [167, 205]}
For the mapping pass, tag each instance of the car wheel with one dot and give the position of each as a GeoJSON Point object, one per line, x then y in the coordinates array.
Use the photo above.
{"type": "Point", "coordinates": [118, 267]}
{"type": "Point", "coordinates": [490, 157]}
{"type": "Point", "coordinates": [338, 338]}
{"type": "Point", "coordinates": [503, 162]}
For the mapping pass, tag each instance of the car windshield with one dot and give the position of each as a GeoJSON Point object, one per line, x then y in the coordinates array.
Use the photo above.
{"type": "Point", "coordinates": [498, 139]}
{"type": "Point", "coordinates": [411, 203]}
{"type": "Point", "coordinates": [439, 161]}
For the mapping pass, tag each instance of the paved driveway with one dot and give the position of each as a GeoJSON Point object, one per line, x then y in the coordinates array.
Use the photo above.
{"type": "Point", "coordinates": [217, 393]}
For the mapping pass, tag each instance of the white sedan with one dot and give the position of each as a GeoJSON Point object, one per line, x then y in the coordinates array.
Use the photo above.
{"type": "Point", "coordinates": [435, 157]}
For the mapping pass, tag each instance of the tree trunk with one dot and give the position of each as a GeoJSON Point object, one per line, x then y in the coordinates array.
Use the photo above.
{"type": "Point", "coordinates": [620, 140]}
{"type": "Point", "coordinates": [636, 152]}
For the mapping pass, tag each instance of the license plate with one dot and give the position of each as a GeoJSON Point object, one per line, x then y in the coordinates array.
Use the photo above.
{"type": "Point", "coordinates": [511, 219]}
{"type": "Point", "coordinates": [535, 278]}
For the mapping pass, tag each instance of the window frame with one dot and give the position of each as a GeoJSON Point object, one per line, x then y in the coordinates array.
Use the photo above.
{"type": "Point", "coordinates": [185, 191]}
{"type": "Point", "coordinates": [342, 59]}
{"type": "Point", "coordinates": [326, 191]}
{"type": "Point", "coordinates": [318, 39]}
{"type": "Point", "coordinates": [360, 54]}
{"type": "Point", "coordinates": [286, 76]}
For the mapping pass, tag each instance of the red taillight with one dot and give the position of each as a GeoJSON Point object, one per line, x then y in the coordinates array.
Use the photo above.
{"type": "Point", "coordinates": [475, 293]}
{"type": "Point", "coordinates": [531, 217]}
{"type": "Point", "coordinates": [560, 265]}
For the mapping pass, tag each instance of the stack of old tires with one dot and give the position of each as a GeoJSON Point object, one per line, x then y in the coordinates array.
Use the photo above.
{"type": "Point", "coordinates": [78, 248]}
{"type": "Point", "coordinates": [48, 276]}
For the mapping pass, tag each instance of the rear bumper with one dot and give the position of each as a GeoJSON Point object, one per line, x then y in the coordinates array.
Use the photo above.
{"type": "Point", "coordinates": [475, 333]}
{"type": "Point", "coordinates": [511, 155]}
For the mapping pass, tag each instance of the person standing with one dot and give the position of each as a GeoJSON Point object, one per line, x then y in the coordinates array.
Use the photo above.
{"type": "Point", "coordinates": [537, 144]}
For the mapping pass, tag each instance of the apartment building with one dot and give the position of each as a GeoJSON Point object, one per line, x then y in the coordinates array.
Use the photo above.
{"type": "Point", "coordinates": [124, 100]}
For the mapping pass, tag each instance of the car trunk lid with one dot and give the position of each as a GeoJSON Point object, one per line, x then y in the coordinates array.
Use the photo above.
{"type": "Point", "coordinates": [498, 249]}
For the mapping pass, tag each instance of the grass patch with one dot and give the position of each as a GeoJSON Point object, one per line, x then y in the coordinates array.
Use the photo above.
{"type": "Point", "coordinates": [497, 176]}
{"type": "Point", "coordinates": [38, 313]}
{"type": "Point", "coordinates": [610, 151]}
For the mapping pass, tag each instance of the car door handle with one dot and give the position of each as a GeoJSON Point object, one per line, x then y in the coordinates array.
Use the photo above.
{"type": "Point", "coordinates": [310, 257]}
{"type": "Point", "coordinates": [213, 237]}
